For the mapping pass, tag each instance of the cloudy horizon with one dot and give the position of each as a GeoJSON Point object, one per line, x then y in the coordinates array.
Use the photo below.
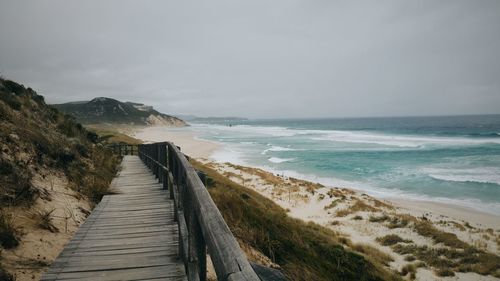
{"type": "Point", "coordinates": [260, 59]}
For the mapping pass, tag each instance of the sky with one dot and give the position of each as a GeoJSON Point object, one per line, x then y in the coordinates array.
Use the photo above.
{"type": "Point", "coordinates": [260, 59]}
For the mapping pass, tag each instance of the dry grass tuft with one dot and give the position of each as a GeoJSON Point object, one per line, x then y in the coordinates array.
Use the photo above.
{"type": "Point", "coordinates": [335, 192]}
{"type": "Point", "coordinates": [444, 272]}
{"type": "Point", "coordinates": [391, 239]}
{"type": "Point", "coordinates": [410, 258]}
{"type": "Point", "coordinates": [44, 220]}
{"type": "Point", "coordinates": [425, 228]}
{"type": "Point", "coordinates": [373, 254]}
{"type": "Point", "coordinates": [399, 221]}
{"type": "Point", "coordinates": [409, 268]}
{"type": "Point", "coordinates": [380, 204]}
{"type": "Point", "coordinates": [8, 231]}
{"type": "Point", "coordinates": [343, 212]}
{"type": "Point", "coordinates": [381, 218]}
{"type": "Point", "coordinates": [332, 204]}
{"type": "Point", "coordinates": [358, 206]}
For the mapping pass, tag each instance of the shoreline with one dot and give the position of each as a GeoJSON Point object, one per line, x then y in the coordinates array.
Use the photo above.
{"type": "Point", "coordinates": [419, 208]}
{"type": "Point", "coordinates": [362, 220]}
{"type": "Point", "coordinates": [188, 141]}
{"type": "Point", "coordinates": [202, 149]}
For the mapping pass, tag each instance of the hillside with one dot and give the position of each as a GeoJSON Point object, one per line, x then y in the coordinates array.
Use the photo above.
{"type": "Point", "coordinates": [52, 172]}
{"type": "Point", "coordinates": [107, 110]}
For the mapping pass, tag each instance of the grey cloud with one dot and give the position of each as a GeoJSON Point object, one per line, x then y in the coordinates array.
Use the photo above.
{"type": "Point", "coordinates": [260, 58]}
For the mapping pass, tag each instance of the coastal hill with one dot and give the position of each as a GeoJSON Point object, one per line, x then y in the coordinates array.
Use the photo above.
{"type": "Point", "coordinates": [107, 110]}
{"type": "Point", "coordinates": [52, 172]}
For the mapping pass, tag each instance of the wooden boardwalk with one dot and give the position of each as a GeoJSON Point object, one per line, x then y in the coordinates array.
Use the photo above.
{"type": "Point", "coordinates": [131, 235]}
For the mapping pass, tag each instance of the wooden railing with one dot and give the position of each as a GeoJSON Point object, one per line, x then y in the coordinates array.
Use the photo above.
{"type": "Point", "coordinates": [201, 225]}
{"type": "Point", "coordinates": [124, 149]}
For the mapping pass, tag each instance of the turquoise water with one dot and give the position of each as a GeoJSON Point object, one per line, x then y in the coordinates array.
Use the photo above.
{"type": "Point", "coordinates": [448, 159]}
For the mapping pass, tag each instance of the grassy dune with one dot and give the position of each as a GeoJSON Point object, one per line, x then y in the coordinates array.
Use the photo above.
{"type": "Point", "coordinates": [305, 251]}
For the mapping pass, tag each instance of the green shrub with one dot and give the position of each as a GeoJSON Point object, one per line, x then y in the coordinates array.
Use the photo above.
{"type": "Point", "coordinates": [13, 87]}
{"type": "Point", "coordinates": [10, 100]}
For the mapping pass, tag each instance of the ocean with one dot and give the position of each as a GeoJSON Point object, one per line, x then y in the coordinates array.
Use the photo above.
{"type": "Point", "coordinates": [453, 159]}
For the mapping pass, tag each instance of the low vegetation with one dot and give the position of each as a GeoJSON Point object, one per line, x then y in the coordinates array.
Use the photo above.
{"type": "Point", "coordinates": [373, 254]}
{"type": "Point", "coordinates": [357, 206]}
{"type": "Point", "coordinates": [37, 140]}
{"type": "Point", "coordinates": [44, 220]}
{"type": "Point", "coordinates": [409, 268]}
{"type": "Point", "coordinates": [454, 260]}
{"type": "Point", "coordinates": [391, 239]}
{"type": "Point", "coordinates": [9, 235]}
{"type": "Point", "coordinates": [5, 276]}
{"type": "Point", "coordinates": [425, 228]}
{"type": "Point", "coordinates": [110, 134]}
{"type": "Point", "coordinates": [305, 251]}
{"type": "Point", "coordinates": [399, 221]}
{"type": "Point", "coordinates": [381, 218]}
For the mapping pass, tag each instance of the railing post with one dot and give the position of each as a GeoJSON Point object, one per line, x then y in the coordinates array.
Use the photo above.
{"type": "Point", "coordinates": [196, 246]}
{"type": "Point", "coordinates": [170, 171]}
{"type": "Point", "coordinates": [164, 163]}
{"type": "Point", "coordinates": [200, 224]}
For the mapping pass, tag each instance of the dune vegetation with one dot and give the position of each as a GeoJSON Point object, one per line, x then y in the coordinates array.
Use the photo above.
{"type": "Point", "coordinates": [39, 142]}
{"type": "Point", "coordinates": [304, 251]}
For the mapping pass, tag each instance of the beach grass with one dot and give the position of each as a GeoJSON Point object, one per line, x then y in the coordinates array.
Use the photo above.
{"type": "Point", "coordinates": [110, 134]}
{"type": "Point", "coordinates": [305, 251]}
{"type": "Point", "coordinates": [9, 234]}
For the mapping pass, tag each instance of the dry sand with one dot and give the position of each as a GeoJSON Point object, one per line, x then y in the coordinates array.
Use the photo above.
{"type": "Point", "coordinates": [419, 208]}
{"type": "Point", "coordinates": [187, 141]}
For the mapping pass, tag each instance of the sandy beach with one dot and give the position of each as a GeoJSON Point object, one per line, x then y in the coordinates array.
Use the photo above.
{"type": "Point", "coordinates": [361, 218]}
{"type": "Point", "coordinates": [419, 208]}
{"type": "Point", "coordinates": [189, 143]}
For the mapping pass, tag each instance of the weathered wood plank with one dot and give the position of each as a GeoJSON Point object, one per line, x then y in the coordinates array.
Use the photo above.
{"type": "Point", "coordinates": [131, 235]}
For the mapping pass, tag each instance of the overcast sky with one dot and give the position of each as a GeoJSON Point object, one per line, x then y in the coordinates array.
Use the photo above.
{"type": "Point", "coordinates": [256, 58]}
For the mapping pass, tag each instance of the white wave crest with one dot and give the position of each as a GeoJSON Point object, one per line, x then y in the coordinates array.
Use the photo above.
{"type": "Point", "coordinates": [479, 175]}
{"type": "Point", "coordinates": [356, 137]}
{"type": "Point", "coordinates": [405, 141]}
{"type": "Point", "coordinates": [280, 160]}
{"type": "Point", "coordinates": [277, 148]}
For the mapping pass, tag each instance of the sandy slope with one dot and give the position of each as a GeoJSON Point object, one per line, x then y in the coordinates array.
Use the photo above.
{"type": "Point", "coordinates": [40, 246]}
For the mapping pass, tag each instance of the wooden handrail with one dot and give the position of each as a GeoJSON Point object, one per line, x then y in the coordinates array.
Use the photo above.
{"type": "Point", "coordinates": [124, 149]}
{"type": "Point", "coordinates": [201, 225]}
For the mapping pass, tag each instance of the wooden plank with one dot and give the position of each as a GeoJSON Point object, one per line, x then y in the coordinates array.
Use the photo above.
{"type": "Point", "coordinates": [131, 235]}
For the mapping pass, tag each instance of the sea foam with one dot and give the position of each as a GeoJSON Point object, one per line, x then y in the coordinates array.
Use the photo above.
{"type": "Point", "coordinates": [280, 160]}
